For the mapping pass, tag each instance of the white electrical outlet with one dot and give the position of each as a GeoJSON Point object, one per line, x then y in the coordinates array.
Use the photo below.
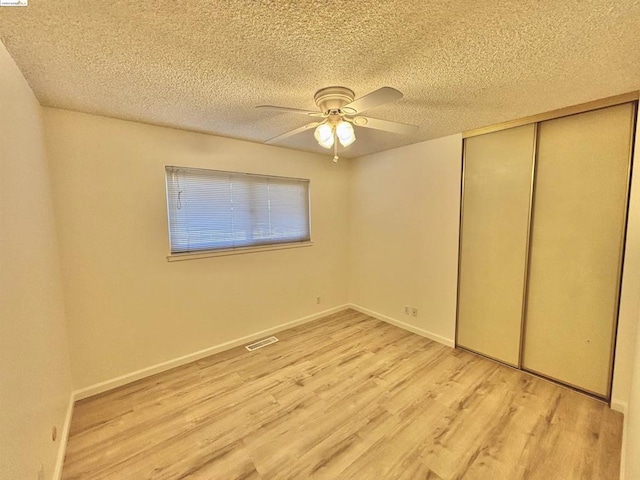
{"type": "Point", "coordinates": [407, 309]}
{"type": "Point", "coordinates": [414, 312]}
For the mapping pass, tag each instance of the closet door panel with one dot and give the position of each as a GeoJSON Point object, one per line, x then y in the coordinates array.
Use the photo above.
{"type": "Point", "coordinates": [496, 197]}
{"type": "Point", "coordinates": [576, 244]}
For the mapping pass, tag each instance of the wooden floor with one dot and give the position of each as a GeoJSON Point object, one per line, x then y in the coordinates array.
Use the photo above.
{"type": "Point", "coordinates": [344, 397]}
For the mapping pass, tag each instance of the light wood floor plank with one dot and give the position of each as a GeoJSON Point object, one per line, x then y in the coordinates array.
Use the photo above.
{"type": "Point", "coordinates": [343, 397]}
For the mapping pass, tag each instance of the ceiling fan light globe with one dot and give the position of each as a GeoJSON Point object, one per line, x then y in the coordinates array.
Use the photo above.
{"type": "Point", "coordinates": [347, 142]}
{"type": "Point", "coordinates": [327, 144]}
{"type": "Point", "coordinates": [324, 135]}
{"type": "Point", "coordinates": [345, 133]}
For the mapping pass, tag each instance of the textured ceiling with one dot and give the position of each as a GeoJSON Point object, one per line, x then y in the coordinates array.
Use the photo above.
{"type": "Point", "coordinates": [204, 65]}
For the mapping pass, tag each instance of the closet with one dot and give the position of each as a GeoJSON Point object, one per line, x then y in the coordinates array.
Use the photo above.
{"type": "Point", "coordinates": [544, 208]}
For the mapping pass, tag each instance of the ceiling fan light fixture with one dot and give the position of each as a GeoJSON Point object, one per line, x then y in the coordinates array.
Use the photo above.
{"type": "Point", "coordinates": [339, 113]}
{"type": "Point", "coordinates": [345, 133]}
{"type": "Point", "coordinates": [324, 135]}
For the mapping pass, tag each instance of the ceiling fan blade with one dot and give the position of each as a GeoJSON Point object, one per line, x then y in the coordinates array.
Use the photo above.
{"type": "Point", "coordinates": [293, 132]}
{"type": "Point", "coordinates": [386, 125]}
{"type": "Point", "coordinates": [373, 99]}
{"type": "Point", "coordinates": [291, 110]}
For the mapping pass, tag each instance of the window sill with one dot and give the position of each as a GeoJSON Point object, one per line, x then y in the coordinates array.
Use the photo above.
{"type": "Point", "coordinates": [178, 257]}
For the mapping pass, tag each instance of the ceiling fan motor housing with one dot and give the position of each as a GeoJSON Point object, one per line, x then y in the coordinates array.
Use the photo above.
{"type": "Point", "coordinates": [333, 98]}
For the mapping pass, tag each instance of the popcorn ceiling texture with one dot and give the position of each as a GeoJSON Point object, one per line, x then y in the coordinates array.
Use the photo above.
{"type": "Point", "coordinates": [204, 65]}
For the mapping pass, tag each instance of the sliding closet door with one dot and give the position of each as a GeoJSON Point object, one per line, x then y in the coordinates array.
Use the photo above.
{"type": "Point", "coordinates": [576, 246]}
{"type": "Point", "coordinates": [497, 189]}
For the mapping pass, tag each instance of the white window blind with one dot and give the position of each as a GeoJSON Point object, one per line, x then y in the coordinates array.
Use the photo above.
{"type": "Point", "coordinates": [212, 210]}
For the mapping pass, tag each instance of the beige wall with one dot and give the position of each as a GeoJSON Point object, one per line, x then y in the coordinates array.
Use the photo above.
{"type": "Point", "coordinates": [35, 381]}
{"type": "Point", "coordinates": [630, 294]}
{"type": "Point", "coordinates": [626, 379]}
{"type": "Point", "coordinates": [127, 307]}
{"type": "Point", "coordinates": [631, 465]}
{"type": "Point", "coordinates": [404, 233]}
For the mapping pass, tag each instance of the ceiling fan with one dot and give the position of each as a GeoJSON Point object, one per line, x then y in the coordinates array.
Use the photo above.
{"type": "Point", "coordinates": [339, 112]}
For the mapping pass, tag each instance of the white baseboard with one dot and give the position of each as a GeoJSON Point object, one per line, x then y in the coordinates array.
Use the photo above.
{"type": "Point", "coordinates": [623, 451]}
{"type": "Point", "coordinates": [619, 406]}
{"type": "Point", "coordinates": [622, 407]}
{"type": "Point", "coordinates": [64, 437]}
{"type": "Point", "coordinates": [406, 326]}
{"type": "Point", "coordinates": [192, 357]}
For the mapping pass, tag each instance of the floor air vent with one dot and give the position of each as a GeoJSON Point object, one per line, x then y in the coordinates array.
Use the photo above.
{"type": "Point", "coordinates": [261, 343]}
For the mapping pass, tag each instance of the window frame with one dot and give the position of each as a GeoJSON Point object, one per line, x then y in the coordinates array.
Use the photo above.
{"type": "Point", "coordinates": [225, 251]}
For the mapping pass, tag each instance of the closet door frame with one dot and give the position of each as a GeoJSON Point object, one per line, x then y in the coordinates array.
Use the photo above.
{"type": "Point", "coordinates": [631, 97]}
{"type": "Point", "coordinates": [525, 285]}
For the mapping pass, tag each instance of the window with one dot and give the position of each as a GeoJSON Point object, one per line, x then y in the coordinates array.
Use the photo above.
{"type": "Point", "coordinates": [214, 210]}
